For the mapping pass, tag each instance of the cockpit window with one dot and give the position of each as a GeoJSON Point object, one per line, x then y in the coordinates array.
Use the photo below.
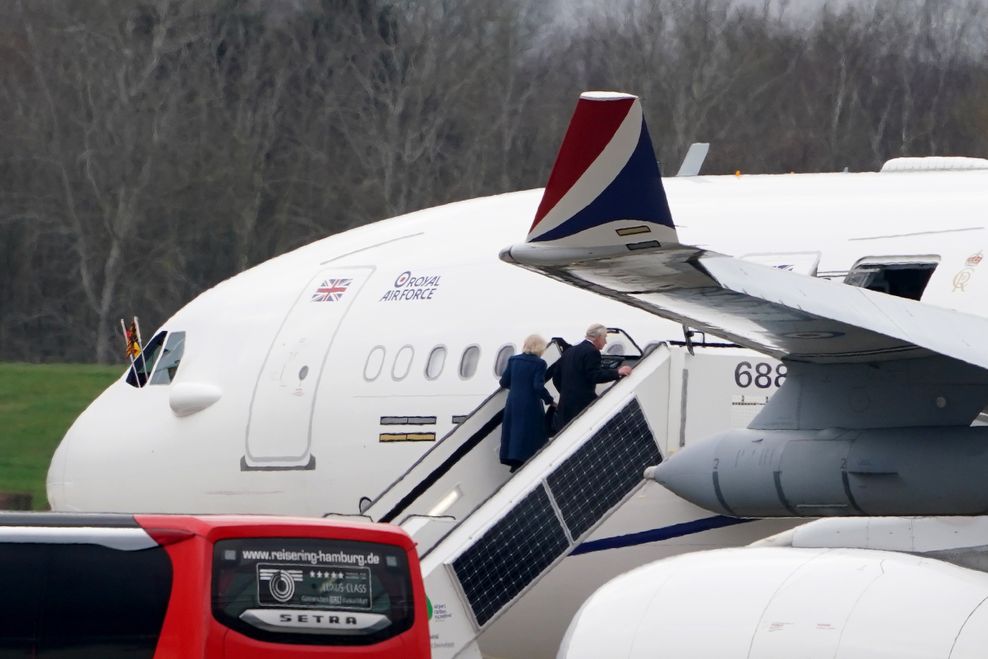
{"type": "Point", "coordinates": [167, 366]}
{"type": "Point", "coordinates": [140, 371]}
{"type": "Point", "coordinates": [159, 361]}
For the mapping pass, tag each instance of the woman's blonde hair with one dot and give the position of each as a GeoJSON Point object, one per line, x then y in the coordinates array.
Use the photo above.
{"type": "Point", "coordinates": [534, 345]}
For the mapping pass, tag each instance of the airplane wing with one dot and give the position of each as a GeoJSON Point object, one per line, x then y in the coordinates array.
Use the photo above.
{"type": "Point", "coordinates": [628, 249]}
{"type": "Point", "coordinates": [874, 416]}
{"type": "Point", "coordinates": [784, 314]}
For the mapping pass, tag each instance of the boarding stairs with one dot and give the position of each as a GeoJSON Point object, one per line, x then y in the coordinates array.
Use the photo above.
{"type": "Point", "coordinates": [485, 536]}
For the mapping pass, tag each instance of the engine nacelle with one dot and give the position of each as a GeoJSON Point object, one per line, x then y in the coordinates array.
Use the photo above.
{"type": "Point", "coordinates": [787, 473]}
{"type": "Point", "coordinates": [761, 603]}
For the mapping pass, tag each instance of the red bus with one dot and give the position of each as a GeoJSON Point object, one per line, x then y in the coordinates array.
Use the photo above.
{"type": "Point", "coordinates": [218, 587]}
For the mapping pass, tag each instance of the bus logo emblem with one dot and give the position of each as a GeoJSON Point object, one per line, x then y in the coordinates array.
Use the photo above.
{"type": "Point", "coordinates": [281, 583]}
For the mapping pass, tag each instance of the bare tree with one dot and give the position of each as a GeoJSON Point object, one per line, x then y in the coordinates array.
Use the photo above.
{"type": "Point", "coordinates": [152, 148]}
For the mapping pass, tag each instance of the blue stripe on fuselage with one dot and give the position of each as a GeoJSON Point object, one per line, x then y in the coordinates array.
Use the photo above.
{"type": "Point", "coordinates": [656, 535]}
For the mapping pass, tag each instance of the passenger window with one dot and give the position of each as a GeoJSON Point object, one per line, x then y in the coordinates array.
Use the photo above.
{"type": "Point", "coordinates": [616, 348]}
{"type": "Point", "coordinates": [469, 361]}
{"type": "Point", "coordinates": [141, 368]}
{"type": "Point", "coordinates": [403, 362]}
{"type": "Point", "coordinates": [171, 356]}
{"type": "Point", "coordinates": [501, 361]}
{"type": "Point", "coordinates": [899, 276]}
{"type": "Point", "coordinates": [374, 363]}
{"type": "Point", "coordinates": [434, 365]}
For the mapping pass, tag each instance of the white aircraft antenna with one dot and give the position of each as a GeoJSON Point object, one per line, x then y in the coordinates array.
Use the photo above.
{"type": "Point", "coordinates": [693, 161]}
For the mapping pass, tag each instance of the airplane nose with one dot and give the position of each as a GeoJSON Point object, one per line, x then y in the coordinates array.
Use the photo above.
{"type": "Point", "coordinates": [104, 462]}
{"type": "Point", "coordinates": [57, 471]}
{"type": "Point", "coordinates": [690, 474]}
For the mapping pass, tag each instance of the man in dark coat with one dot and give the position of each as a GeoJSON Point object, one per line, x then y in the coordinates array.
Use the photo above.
{"type": "Point", "coordinates": [579, 371]}
{"type": "Point", "coordinates": [523, 428]}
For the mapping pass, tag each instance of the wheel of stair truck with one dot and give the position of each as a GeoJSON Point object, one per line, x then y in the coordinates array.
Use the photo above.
{"type": "Point", "coordinates": [183, 587]}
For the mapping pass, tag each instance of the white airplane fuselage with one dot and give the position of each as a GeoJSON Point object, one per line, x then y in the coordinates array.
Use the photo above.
{"type": "Point", "coordinates": [432, 280]}
{"type": "Point", "coordinates": [321, 403]}
{"type": "Point", "coordinates": [281, 439]}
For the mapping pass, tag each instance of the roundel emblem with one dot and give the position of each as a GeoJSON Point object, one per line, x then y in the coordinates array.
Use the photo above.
{"type": "Point", "coordinates": [813, 335]}
{"type": "Point", "coordinates": [403, 279]}
{"type": "Point", "coordinates": [282, 586]}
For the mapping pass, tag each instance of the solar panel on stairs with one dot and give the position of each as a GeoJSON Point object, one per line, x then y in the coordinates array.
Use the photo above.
{"type": "Point", "coordinates": [530, 537]}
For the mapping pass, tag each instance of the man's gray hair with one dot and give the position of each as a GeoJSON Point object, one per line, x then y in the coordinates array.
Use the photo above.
{"type": "Point", "coordinates": [596, 331]}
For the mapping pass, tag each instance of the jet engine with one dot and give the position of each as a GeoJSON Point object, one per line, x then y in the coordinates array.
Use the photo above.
{"type": "Point", "coordinates": [783, 602]}
{"type": "Point", "coordinates": [891, 438]}
{"type": "Point", "coordinates": [792, 473]}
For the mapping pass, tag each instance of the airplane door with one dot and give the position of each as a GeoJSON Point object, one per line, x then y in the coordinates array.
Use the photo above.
{"type": "Point", "coordinates": [279, 426]}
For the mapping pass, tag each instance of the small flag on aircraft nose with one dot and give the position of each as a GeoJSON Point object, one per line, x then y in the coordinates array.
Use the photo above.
{"type": "Point", "coordinates": [132, 339]}
{"type": "Point", "coordinates": [331, 290]}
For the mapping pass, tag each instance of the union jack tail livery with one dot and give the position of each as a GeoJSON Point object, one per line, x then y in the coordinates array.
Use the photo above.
{"type": "Point", "coordinates": [605, 190]}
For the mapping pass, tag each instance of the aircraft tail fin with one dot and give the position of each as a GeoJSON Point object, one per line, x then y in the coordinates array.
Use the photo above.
{"type": "Point", "coordinates": [605, 189]}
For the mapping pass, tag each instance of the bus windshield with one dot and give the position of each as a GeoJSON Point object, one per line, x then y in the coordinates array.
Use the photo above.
{"type": "Point", "coordinates": [312, 591]}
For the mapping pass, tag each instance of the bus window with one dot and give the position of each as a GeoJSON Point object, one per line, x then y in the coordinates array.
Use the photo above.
{"type": "Point", "coordinates": [121, 615]}
{"type": "Point", "coordinates": [312, 591]}
{"type": "Point", "coordinates": [75, 598]}
{"type": "Point", "coordinates": [19, 615]}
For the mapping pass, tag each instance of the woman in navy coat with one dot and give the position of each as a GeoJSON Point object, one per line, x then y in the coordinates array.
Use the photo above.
{"type": "Point", "coordinates": [523, 428]}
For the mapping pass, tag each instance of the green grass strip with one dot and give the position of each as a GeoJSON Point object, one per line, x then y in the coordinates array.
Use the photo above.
{"type": "Point", "coordinates": [38, 403]}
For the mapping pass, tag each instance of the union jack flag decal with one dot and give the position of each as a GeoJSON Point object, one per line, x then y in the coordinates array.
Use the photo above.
{"type": "Point", "coordinates": [331, 290]}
